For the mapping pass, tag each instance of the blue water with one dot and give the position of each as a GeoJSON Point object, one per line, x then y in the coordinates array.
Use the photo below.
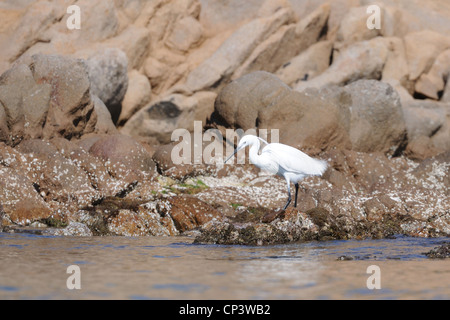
{"type": "Point", "coordinates": [35, 267]}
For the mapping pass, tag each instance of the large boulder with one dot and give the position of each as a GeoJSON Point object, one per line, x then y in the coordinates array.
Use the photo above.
{"type": "Point", "coordinates": [376, 117]}
{"type": "Point", "coordinates": [233, 52]}
{"type": "Point", "coordinates": [44, 96]}
{"type": "Point", "coordinates": [361, 60]}
{"type": "Point", "coordinates": [364, 116]}
{"type": "Point", "coordinates": [109, 78]}
{"type": "Point", "coordinates": [125, 158]}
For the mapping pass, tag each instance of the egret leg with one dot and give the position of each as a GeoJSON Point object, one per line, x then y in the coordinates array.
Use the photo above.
{"type": "Point", "coordinates": [289, 194]}
{"type": "Point", "coordinates": [296, 194]}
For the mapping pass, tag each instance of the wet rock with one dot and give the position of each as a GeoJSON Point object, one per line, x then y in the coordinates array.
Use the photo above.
{"type": "Point", "coordinates": [189, 212]}
{"type": "Point", "coordinates": [440, 252]}
{"type": "Point", "coordinates": [73, 229]}
{"type": "Point", "coordinates": [21, 203]}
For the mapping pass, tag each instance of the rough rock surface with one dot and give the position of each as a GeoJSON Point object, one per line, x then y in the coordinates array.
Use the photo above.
{"type": "Point", "coordinates": [372, 102]}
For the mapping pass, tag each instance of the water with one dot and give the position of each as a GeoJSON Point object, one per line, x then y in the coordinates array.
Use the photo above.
{"type": "Point", "coordinates": [35, 267]}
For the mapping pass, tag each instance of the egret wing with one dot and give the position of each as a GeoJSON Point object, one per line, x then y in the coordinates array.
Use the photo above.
{"type": "Point", "coordinates": [293, 160]}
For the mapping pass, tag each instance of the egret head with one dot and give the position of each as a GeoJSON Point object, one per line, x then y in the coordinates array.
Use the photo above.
{"type": "Point", "coordinates": [247, 140]}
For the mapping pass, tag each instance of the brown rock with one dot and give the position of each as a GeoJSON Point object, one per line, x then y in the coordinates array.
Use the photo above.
{"type": "Point", "coordinates": [189, 212]}
{"type": "Point", "coordinates": [362, 60]}
{"type": "Point", "coordinates": [70, 104]}
{"type": "Point", "coordinates": [138, 95]}
{"type": "Point", "coordinates": [56, 177]}
{"type": "Point", "coordinates": [109, 79]}
{"type": "Point", "coordinates": [422, 48]}
{"type": "Point", "coordinates": [307, 65]}
{"type": "Point", "coordinates": [21, 203]}
{"type": "Point", "coordinates": [125, 158]}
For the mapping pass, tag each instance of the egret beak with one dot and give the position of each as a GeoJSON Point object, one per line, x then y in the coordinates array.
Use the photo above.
{"type": "Point", "coordinates": [235, 151]}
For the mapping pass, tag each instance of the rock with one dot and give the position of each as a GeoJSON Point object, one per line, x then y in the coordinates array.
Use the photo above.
{"type": "Point", "coordinates": [432, 83]}
{"type": "Point", "coordinates": [428, 127]}
{"type": "Point", "coordinates": [103, 121]}
{"type": "Point", "coordinates": [362, 60]}
{"type": "Point", "coordinates": [21, 203]}
{"type": "Point", "coordinates": [76, 229]}
{"type": "Point", "coordinates": [422, 48]}
{"type": "Point", "coordinates": [30, 28]}
{"type": "Point", "coordinates": [137, 96]}
{"type": "Point", "coordinates": [307, 65]}
{"type": "Point", "coordinates": [70, 106]}
{"type": "Point", "coordinates": [155, 70]}
{"type": "Point", "coordinates": [56, 178]}
{"type": "Point", "coordinates": [396, 66]}
{"type": "Point", "coordinates": [186, 33]}
{"type": "Point", "coordinates": [134, 42]}
{"type": "Point", "coordinates": [233, 52]}
{"type": "Point", "coordinates": [376, 117]}
{"type": "Point", "coordinates": [100, 21]}
{"type": "Point", "coordinates": [125, 158]}
{"type": "Point", "coordinates": [95, 169]}
{"type": "Point", "coordinates": [189, 212]}
{"type": "Point", "coordinates": [160, 119]}
{"type": "Point", "coordinates": [353, 27]}
{"type": "Point", "coordinates": [286, 43]}
{"type": "Point", "coordinates": [441, 252]}
{"type": "Point", "coordinates": [4, 130]}
{"type": "Point", "coordinates": [109, 79]}
{"type": "Point", "coordinates": [348, 117]}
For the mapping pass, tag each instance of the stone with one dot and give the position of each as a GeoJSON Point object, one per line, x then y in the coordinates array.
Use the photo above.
{"type": "Point", "coordinates": [109, 78]}
{"type": "Point", "coordinates": [124, 156]}
{"type": "Point", "coordinates": [307, 65]}
{"type": "Point", "coordinates": [56, 178]}
{"type": "Point", "coordinates": [137, 96]}
{"type": "Point", "coordinates": [189, 212]}
{"type": "Point", "coordinates": [103, 121]}
{"type": "Point", "coordinates": [422, 48]}
{"type": "Point", "coordinates": [160, 119]}
{"type": "Point", "coordinates": [70, 108]}
{"type": "Point", "coordinates": [432, 84]}
{"type": "Point", "coordinates": [186, 33]}
{"type": "Point", "coordinates": [376, 117]}
{"type": "Point", "coordinates": [285, 43]}
{"type": "Point", "coordinates": [233, 52]}
{"type": "Point", "coordinates": [21, 203]}
{"type": "Point", "coordinates": [362, 60]}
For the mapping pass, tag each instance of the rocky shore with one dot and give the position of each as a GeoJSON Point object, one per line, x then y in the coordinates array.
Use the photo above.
{"type": "Point", "coordinates": [87, 117]}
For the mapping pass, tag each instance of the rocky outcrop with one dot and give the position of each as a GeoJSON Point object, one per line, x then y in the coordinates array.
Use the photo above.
{"type": "Point", "coordinates": [87, 117]}
{"type": "Point", "coordinates": [364, 116]}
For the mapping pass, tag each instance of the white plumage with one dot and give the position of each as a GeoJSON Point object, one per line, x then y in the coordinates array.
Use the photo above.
{"type": "Point", "coordinates": [283, 160]}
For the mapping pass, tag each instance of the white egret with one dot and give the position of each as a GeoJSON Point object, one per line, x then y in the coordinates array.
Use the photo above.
{"type": "Point", "coordinates": [283, 160]}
